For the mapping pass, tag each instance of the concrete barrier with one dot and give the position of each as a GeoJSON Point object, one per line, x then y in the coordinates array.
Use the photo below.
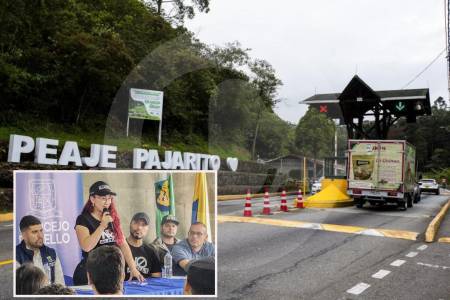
{"type": "Point", "coordinates": [433, 227]}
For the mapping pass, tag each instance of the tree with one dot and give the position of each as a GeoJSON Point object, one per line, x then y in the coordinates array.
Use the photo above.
{"type": "Point", "coordinates": [265, 83]}
{"type": "Point", "coordinates": [314, 135]}
{"type": "Point", "coordinates": [180, 8]}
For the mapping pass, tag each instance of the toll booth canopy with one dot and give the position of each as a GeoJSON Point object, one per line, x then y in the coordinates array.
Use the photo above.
{"type": "Point", "coordinates": [358, 101]}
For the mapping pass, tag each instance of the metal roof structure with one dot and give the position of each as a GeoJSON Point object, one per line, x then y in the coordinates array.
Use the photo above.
{"type": "Point", "coordinates": [358, 100]}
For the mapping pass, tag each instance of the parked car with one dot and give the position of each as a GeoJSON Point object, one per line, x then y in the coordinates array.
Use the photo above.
{"type": "Point", "coordinates": [316, 187]}
{"type": "Point", "coordinates": [416, 193]}
{"type": "Point", "coordinates": [429, 185]}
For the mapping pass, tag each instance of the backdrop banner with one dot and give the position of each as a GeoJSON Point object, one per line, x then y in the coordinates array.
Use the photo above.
{"type": "Point", "coordinates": [56, 199]}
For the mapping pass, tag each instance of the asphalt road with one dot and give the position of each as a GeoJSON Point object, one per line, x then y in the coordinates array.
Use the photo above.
{"type": "Point", "coordinates": [258, 261]}
{"type": "Point", "coordinates": [6, 269]}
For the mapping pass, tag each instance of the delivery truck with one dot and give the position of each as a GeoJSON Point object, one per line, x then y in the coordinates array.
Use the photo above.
{"type": "Point", "coordinates": [381, 172]}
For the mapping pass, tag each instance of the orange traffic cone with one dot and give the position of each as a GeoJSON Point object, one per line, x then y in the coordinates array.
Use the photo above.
{"type": "Point", "coordinates": [248, 205]}
{"type": "Point", "coordinates": [300, 199]}
{"type": "Point", "coordinates": [266, 209]}
{"type": "Point", "coordinates": [283, 206]}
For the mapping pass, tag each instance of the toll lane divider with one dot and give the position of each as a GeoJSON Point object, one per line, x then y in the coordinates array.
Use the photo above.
{"type": "Point", "coordinates": [397, 234]}
{"type": "Point", "coordinates": [6, 217]}
{"type": "Point", "coordinates": [433, 227]}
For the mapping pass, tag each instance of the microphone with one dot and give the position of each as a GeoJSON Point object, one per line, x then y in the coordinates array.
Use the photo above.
{"type": "Point", "coordinates": [110, 225]}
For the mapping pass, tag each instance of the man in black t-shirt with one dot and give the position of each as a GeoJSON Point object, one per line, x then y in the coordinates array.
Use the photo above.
{"type": "Point", "coordinates": [146, 260]}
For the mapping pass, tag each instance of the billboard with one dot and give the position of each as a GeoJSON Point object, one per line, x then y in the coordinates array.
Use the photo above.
{"type": "Point", "coordinates": [145, 104]}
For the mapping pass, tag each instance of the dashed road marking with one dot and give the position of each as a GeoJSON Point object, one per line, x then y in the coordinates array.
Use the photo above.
{"type": "Point", "coordinates": [434, 266]}
{"type": "Point", "coordinates": [358, 289]}
{"type": "Point", "coordinates": [398, 262]}
{"type": "Point", "coordinates": [411, 254]}
{"type": "Point", "coordinates": [381, 274]}
{"type": "Point", "coordinates": [423, 247]}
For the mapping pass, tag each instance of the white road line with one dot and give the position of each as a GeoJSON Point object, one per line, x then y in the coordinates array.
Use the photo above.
{"type": "Point", "coordinates": [398, 263]}
{"type": "Point", "coordinates": [381, 274]}
{"type": "Point", "coordinates": [433, 266]}
{"type": "Point", "coordinates": [423, 247]}
{"type": "Point", "coordinates": [358, 289]}
{"type": "Point", "coordinates": [411, 254]}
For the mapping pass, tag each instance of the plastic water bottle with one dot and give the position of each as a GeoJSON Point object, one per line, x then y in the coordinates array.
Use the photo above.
{"type": "Point", "coordinates": [167, 272]}
{"type": "Point", "coordinates": [47, 272]}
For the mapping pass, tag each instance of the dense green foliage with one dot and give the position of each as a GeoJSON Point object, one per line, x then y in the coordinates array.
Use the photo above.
{"type": "Point", "coordinates": [431, 137]}
{"type": "Point", "coordinates": [66, 67]}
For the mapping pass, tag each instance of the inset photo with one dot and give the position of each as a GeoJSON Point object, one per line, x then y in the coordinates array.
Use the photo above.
{"type": "Point", "coordinates": [133, 233]}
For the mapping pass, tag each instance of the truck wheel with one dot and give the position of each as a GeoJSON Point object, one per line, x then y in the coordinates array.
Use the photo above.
{"type": "Point", "coordinates": [402, 205]}
{"type": "Point", "coordinates": [437, 192]}
{"type": "Point", "coordinates": [359, 203]}
{"type": "Point", "coordinates": [409, 201]}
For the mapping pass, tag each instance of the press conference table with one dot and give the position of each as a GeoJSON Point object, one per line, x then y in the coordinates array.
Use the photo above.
{"type": "Point", "coordinates": [152, 286]}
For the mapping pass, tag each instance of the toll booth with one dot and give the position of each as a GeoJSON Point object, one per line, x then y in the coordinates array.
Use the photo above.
{"type": "Point", "coordinates": [358, 103]}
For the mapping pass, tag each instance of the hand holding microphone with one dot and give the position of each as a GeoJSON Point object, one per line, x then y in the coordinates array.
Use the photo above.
{"type": "Point", "coordinates": [107, 220]}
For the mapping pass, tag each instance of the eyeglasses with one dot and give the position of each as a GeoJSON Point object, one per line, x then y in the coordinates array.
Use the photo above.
{"type": "Point", "coordinates": [104, 198]}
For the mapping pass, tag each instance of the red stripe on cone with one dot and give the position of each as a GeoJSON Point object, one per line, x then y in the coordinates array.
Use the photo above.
{"type": "Point", "coordinates": [266, 209]}
{"type": "Point", "coordinates": [300, 199]}
{"type": "Point", "coordinates": [248, 205]}
{"type": "Point", "coordinates": [283, 206]}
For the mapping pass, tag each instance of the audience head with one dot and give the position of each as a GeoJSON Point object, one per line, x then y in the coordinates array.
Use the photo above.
{"type": "Point", "coordinates": [201, 277]}
{"type": "Point", "coordinates": [29, 279]}
{"type": "Point", "coordinates": [105, 268]}
{"type": "Point", "coordinates": [55, 289]}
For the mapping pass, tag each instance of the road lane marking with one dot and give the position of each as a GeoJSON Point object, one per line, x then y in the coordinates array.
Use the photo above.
{"type": "Point", "coordinates": [6, 262]}
{"type": "Point", "coordinates": [398, 234]}
{"type": "Point", "coordinates": [381, 274]}
{"type": "Point", "coordinates": [398, 262]}
{"type": "Point", "coordinates": [358, 289]}
{"type": "Point", "coordinates": [423, 247]}
{"type": "Point", "coordinates": [411, 254]}
{"type": "Point", "coordinates": [433, 266]}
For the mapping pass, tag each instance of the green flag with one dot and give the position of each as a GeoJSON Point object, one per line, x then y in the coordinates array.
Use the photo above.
{"type": "Point", "coordinates": [165, 200]}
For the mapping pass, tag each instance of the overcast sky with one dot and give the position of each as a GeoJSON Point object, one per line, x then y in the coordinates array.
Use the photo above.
{"type": "Point", "coordinates": [318, 45]}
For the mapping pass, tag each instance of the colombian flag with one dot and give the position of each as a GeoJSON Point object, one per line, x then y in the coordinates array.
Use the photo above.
{"type": "Point", "coordinates": [200, 208]}
{"type": "Point", "coordinates": [165, 200]}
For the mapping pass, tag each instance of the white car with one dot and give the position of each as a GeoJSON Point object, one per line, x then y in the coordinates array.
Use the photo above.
{"type": "Point", "coordinates": [316, 187]}
{"type": "Point", "coordinates": [429, 185]}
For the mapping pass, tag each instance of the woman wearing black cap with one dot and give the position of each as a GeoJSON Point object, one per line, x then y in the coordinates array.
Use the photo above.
{"type": "Point", "coordinates": [99, 225]}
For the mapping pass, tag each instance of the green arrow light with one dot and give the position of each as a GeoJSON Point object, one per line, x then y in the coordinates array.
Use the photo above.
{"type": "Point", "coordinates": [400, 106]}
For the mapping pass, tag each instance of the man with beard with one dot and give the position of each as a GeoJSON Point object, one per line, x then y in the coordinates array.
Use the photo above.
{"type": "Point", "coordinates": [145, 258]}
{"type": "Point", "coordinates": [165, 243]}
{"type": "Point", "coordinates": [32, 250]}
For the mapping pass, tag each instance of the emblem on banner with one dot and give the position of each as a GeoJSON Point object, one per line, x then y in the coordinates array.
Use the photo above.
{"type": "Point", "coordinates": [42, 197]}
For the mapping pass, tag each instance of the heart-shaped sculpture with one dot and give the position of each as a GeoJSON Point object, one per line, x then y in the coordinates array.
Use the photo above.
{"type": "Point", "coordinates": [232, 163]}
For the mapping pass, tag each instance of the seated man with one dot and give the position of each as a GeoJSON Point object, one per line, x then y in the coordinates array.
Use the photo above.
{"type": "Point", "coordinates": [194, 247]}
{"type": "Point", "coordinates": [201, 277]}
{"type": "Point", "coordinates": [145, 257]}
{"type": "Point", "coordinates": [33, 250]}
{"type": "Point", "coordinates": [105, 268]}
{"type": "Point", "coordinates": [165, 243]}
